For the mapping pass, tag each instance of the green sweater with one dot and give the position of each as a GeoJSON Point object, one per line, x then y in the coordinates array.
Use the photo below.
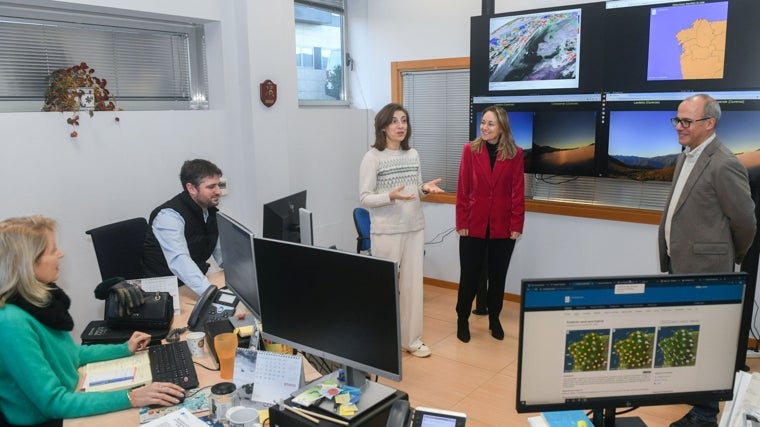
{"type": "Point", "coordinates": [38, 372]}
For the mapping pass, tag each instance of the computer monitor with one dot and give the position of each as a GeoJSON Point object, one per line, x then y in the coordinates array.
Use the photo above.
{"type": "Point", "coordinates": [236, 242]}
{"type": "Point", "coordinates": [306, 226]}
{"type": "Point", "coordinates": [337, 305]}
{"type": "Point", "coordinates": [281, 217]}
{"type": "Point", "coordinates": [607, 342]}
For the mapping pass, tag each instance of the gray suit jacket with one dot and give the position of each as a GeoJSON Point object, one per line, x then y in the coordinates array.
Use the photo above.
{"type": "Point", "coordinates": [713, 223]}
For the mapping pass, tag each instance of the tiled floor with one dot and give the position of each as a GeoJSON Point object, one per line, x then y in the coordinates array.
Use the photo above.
{"type": "Point", "coordinates": [479, 377]}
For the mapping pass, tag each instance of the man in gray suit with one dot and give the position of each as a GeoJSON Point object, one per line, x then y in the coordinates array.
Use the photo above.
{"type": "Point", "coordinates": [709, 219]}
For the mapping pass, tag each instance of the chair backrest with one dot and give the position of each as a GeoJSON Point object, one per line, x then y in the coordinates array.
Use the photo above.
{"type": "Point", "coordinates": [119, 248]}
{"type": "Point", "coordinates": [361, 221]}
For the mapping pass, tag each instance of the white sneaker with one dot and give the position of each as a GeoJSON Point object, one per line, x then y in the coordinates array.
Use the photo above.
{"type": "Point", "coordinates": [423, 351]}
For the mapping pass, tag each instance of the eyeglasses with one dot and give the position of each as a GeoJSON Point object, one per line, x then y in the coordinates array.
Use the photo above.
{"type": "Point", "coordinates": [685, 123]}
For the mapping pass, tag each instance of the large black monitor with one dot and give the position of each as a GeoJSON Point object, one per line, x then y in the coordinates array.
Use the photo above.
{"type": "Point", "coordinates": [337, 305]}
{"type": "Point", "coordinates": [558, 133]}
{"type": "Point", "coordinates": [539, 51]}
{"type": "Point", "coordinates": [236, 242]}
{"type": "Point", "coordinates": [281, 217]}
{"type": "Point", "coordinates": [608, 342]}
{"type": "Point", "coordinates": [654, 157]}
{"type": "Point", "coordinates": [681, 45]}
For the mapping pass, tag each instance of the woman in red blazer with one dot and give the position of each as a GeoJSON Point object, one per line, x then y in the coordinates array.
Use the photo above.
{"type": "Point", "coordinates": [490, 215]}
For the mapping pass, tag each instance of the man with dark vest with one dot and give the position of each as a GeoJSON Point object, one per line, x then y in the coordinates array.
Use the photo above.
{"type": "Point", "coordinates": [183, 232]}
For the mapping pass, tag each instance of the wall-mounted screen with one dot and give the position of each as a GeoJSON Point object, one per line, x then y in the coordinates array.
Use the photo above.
{"type": "Point", "coordinates": [740, 132]}
{"type": "Point", "coordinates": [521, 123]}
{"type": "Point", "coordinates": [595, 103]}
{"type": "Point", "coordinates": [681, 46]}
{"type": "Point", "coordinates": [564, 143]}
{"type": "Point", "coordinates": [643, 145]}
{"type": "Point", "coordinates": [635, 156]}
{"type": "Point", "coordinates": [550, 50]}
{"type": "Point", "coordinates": [535, 51]}
{"type": "Point", "coordinates": [558, 133]}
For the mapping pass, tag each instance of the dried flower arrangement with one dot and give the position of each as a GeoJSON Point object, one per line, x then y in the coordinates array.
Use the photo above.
{"type": "Point", "coordinates": [65, 90]}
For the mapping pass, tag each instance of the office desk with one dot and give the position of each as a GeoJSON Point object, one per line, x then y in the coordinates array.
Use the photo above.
{"type": "Point", "coordinates": [130, 417]}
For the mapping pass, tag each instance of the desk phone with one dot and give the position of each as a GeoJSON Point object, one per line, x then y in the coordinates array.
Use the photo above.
{"type": "Point", "coordinates": [215, 304]}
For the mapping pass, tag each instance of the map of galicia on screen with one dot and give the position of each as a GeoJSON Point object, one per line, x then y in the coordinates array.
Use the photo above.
{"type": "Point", "coordinates": [535, 51]}
{"type": "Point", "coordinates": [687, 42]}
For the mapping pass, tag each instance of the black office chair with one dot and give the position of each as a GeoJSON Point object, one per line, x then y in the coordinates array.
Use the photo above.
{"type": "Point", "coordinates": [119, 248]}
{"type": "Point", "coordinates": [361, 221]}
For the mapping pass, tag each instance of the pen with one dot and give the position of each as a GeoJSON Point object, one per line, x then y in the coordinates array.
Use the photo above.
{"type": "Point", "coordinates": [111, 380]}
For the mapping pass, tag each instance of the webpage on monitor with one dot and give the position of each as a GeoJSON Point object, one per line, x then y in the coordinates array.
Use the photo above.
{"type": "Point", "coordinates": [603, 338]}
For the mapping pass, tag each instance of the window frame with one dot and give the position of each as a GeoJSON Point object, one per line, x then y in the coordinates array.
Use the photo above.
{"type": "Point", "coordinates": [338, 7]}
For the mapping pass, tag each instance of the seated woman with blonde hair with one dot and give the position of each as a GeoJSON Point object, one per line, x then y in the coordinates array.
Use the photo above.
{"type": "Point", "coordinates": [39, 361]}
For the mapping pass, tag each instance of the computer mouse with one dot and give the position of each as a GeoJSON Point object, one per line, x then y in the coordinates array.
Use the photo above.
{"type": "Point", "coordinates": [181, 399]}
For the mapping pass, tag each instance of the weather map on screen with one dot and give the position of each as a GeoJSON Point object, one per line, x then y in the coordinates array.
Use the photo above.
{"type": "Point", "coordinates": [687, 42]}
{"type": "Point", "coordinates": [539, 50]}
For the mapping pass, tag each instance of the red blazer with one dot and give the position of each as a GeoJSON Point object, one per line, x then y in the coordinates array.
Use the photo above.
{"type": "Point", "coordinates": [490, 197]}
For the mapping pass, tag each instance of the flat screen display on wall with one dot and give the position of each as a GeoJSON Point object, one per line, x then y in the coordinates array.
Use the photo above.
{"type": "Point", "coordinates": [600, 81]}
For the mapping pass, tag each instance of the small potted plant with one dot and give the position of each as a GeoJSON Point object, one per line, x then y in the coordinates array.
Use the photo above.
{"type": "Point", "coordinates": [76, 88]}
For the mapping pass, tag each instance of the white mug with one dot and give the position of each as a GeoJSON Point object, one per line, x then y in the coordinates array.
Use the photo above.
{"type": "Point", "coordinates": [242, 416]}
{"type": "Point", "coordinates": [195, 342]}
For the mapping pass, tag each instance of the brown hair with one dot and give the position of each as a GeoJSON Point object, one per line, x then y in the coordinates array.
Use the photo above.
{"type": "Point", "coordinates": [383, 118]}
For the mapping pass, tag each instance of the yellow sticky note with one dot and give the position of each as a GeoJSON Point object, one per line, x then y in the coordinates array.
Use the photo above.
{"type": "Point", "coordinates": [343, 398]}
{"type": "Point", "coordinates": [263, 415]}
{"type": "Point", "coordinates": [346, 410]}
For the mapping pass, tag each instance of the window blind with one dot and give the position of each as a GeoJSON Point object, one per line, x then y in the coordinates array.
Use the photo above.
{"type": "Point", "coordinates": [140, 63]}
{"type": "Point", "coordinates": [438, 103]}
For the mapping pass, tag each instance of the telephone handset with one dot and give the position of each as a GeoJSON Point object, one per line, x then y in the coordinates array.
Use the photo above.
{"type": "Point", "coordinates": [400, 414]}
{"type": "Point", "coordinates": [215, 304]}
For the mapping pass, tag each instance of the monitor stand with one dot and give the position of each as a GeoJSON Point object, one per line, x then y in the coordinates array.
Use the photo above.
{"type": "Point", "coordinates": [372, 393]}
{"type": "Point", "coordinates": [606, 418]}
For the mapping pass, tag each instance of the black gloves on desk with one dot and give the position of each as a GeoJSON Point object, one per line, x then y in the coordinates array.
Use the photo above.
{"type": "Point", "coordinates": [127, 295]}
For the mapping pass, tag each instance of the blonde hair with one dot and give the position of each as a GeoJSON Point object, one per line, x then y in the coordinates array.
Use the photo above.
{"type": "Point", "coordinates": [22, 241]}
{"type": "Point", "coordinates": [506, 147]}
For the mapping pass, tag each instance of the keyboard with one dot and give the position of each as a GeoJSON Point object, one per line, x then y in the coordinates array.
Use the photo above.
{"type": "Point", "coordinates": [173, 363]}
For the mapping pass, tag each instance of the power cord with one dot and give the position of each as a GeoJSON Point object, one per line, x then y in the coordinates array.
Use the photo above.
{"type": "Point", "coordinates": [438, 238]}
{"type": "Point", "coordinates": [206, 367]}
{"type": "Point", "coordinates": [175, 334]}
{"type": "Point", "coordinates": [548, 179]}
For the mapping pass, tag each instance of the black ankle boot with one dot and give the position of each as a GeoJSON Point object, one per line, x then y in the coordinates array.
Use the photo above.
{"type": "Point", "coordinates": [495, 326]}
{"type": "Point", "coordinates": [463, 330]}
